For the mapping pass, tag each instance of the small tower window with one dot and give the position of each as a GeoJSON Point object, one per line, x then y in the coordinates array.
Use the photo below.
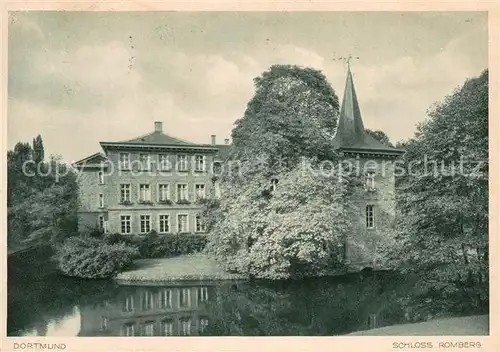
{"type": "Point", "coordinates": [370, 180]}
{"type": "Point", "coordinates": [370, 219]}
{"type": "Point", "coordinates": [101, 177]}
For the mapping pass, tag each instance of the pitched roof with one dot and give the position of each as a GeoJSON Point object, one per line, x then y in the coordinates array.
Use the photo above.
{"type": "Point", "coordinates": [351, 132]}
{"type": "Point", "coordinates": [91, 160]}
{"type": "Point", "coordinates": [157, 138]}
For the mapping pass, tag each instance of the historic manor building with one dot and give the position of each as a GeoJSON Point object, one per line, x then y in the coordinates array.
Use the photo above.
{"type": "Point", "coordinates": [153, 182]}
{"type": "Point", "coordinates": [156, 182]}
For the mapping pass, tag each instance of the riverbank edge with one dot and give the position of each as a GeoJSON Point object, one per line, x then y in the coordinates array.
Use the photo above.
{"type": "Point", "coordinates": [472, 325]}
{"type": "Point", "coordinates": [186, 269]}
{"type": "Point", "coordinates": [176, 270]}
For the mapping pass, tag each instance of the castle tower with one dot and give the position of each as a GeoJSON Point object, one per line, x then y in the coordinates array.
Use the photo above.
{"type": "Point", "coordinates": [375, 201]}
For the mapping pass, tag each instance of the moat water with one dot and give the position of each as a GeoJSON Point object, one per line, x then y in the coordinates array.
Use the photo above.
{"type": "Point", "coordinates": [61, 306]}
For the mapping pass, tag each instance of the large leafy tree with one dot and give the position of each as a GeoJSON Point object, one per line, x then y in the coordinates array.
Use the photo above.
{"type": "Point", "coordinates": [443, 202]}
{"type": "Point", "coordinates": [380, 136]}
{"type": "Point", "coordinates": [292, 114]}
{"type": "Point", "coordinates": [291, 226]}
{"type": "Point", "coordinates": [42, 196]}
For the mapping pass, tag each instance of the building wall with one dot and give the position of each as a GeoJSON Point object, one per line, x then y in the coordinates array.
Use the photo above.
{"type": "Point", "coordinates": [362, 242]}
{"type": "Point", "coordinates": [89, 189]}
{"type": "Point", "coordinates": [114, 224]}
{"type": "Point", "coordinates": [114, 177]}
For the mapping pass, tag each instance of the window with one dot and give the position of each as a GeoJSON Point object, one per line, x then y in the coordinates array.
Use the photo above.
{"type": "Point", "coordinates": [148, 329]}
{"type": "Point", "coordinates": [163, 192]}
{"type": "Point", "coordinates": [164, 162]}
{"type": "Point", "coordinates": [165, 299]}
{"type": "Point", "coordinates": [145, 223]}
{"type": "Point", "coordinates": [101, 177]}
{"type": "Point", "coordinates": [101, 200]}
{"type": "Point", "coordinates": [145, 161]}
{"type": "Point", "coordinates": [203, 324]}
{"type": "Point", "coordinates": [202, 294]}
{"type": "Point", "coordinates": [163, 223]}
{"type": "Point", "coordinates": [105, 229]}
{"type": "Point", "coordinates": [199, 191]}
{"type": "Point", "coordinates": [184, 297]}
{"type": "Point", "coordinates": [147, 300]}
{"type": "Point", "coordinates": [128, 330]}
{"type": "Point", "coordinates": [101, 222]}
{"type": "Point", "coordinates": [144, 193]}
{"type": "Point", "coordinates": [182, 162]}
{"type": "Point", "coordinates": [185, 327]}
{"type": "Point", "coordinates": [217, 189]}
{"type": "Point", "coordinates": [200, 226]}
{"type": "Point", "coordinates": [182, 192]}
{"type": "Point", "coordinates": [199, 163]}
{"type": "Point", "coordinates": [182, 223]}
{"type": "Point", "coordinates": [124, 193]}
{"type": "Point", "coordinates": [370, 180]}
{"type": "Point", "coordinates": [167, 328]}
{"type": "Point", "coordinates": [370, 224]}
{"type": "Point", "coordinates": [125, 222]}
{"type": "Point", "coordinates": [128, 305]}
{"type": "Point", "coordinates": [104, 323]}
{"type": "Point", "coordinates": [124, 161]}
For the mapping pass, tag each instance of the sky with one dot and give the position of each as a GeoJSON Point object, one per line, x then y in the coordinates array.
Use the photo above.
{"type": "Point", "coordinates": [78, 78]}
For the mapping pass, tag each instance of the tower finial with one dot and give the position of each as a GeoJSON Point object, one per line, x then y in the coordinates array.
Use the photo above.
{"type": "Point", "coordinates": [347, 60]}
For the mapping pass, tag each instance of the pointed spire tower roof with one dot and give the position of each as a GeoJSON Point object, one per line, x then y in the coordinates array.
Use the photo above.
{"type": "Point", "coordinates": [351, 135]}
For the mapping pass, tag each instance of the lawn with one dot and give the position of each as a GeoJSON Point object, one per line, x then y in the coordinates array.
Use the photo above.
{"type": "Point", "coordinates": [182, 268]}
{"type": "Point", "coordinates": [464, 326]}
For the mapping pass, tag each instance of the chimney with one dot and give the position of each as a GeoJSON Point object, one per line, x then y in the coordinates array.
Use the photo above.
{"type": "Point", "coordinates": [213, 139]}
{"type": "Point", "coordinates": [226, 141]}
{"type": "Point", "coordinates": [158, 126]}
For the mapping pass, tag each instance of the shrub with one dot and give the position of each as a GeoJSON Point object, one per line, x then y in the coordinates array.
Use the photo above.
{"type": "Point", "coordinates": [94, 231]}
{"type": "Point", "coordinates": [91, 258]}
{"type": "Point", "coordinates": [114, 238]}
{"type": "Point", "coordinates": [154, 246]}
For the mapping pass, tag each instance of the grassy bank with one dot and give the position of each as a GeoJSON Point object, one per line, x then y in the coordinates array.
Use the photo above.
{"type": "Point", "coordinates": [464, 326]}
{"type": "Point", "coordinates": [183, 268]}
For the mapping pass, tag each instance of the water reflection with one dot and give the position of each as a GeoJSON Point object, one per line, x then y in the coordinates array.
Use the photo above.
{"type": "Point", "coordinates": [150, 311]}
{"type": "Point", "coordinates": [334, 306]}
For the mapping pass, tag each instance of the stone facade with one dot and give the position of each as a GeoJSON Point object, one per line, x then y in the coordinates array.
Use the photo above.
{"type": "Point", "coordinates": [374, 215]}
{"type": "Point", "coordinates": [88, 192]}
{"type": "Point", "coordinates": [363, 240]}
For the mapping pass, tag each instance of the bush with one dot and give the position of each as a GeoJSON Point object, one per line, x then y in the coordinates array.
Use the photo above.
{"type": "Point", "coordinates": [114, 238]}
{"type": "Point", "coordinates": [91, 258]}
{"type": "Point", "coordinates": [94, 231]}
{"type": "Point", "coordinates": [154, 246]}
